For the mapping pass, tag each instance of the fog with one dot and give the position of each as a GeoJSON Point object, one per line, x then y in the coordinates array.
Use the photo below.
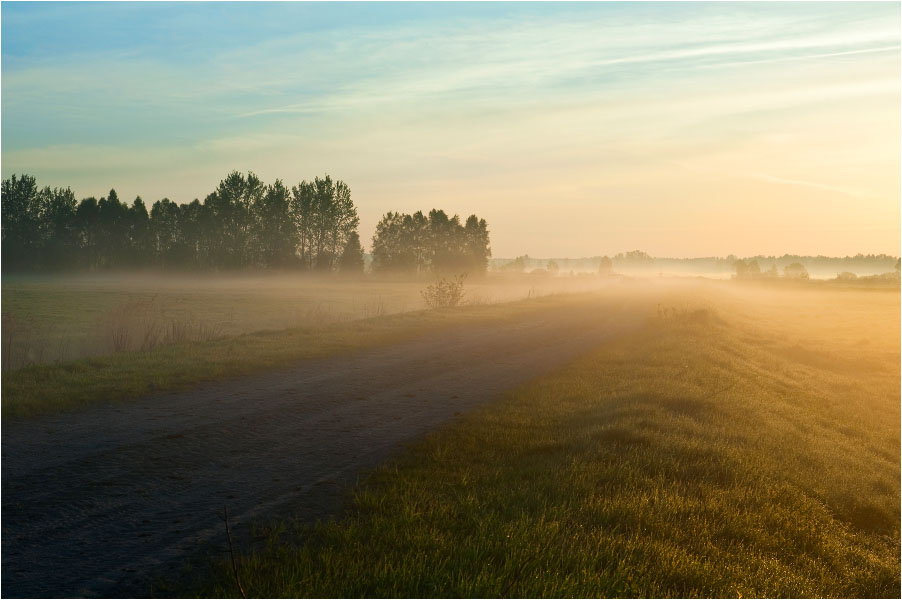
{"type": "Point", "coordinates": [50, 319]}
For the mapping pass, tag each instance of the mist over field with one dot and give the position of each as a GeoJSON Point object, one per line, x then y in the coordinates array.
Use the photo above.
{"type": "Point", "coordinates": [451, 300]}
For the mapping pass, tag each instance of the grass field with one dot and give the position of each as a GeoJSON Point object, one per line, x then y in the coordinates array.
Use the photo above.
{"type": "Point", "coordinates": [745, 443]}
{"type": "Point", "coordinates": [49, 388]}
{"type": "Point", "coordinates": [49, 319]}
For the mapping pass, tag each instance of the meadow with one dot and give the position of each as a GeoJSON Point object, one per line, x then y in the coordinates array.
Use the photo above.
{"type": "Point", "coordinates": [742, 440]}
{"type": "Point", "coordinates": [54, 319]}
{"type": "Point", "coordinates": [744, 443]}
{"type": "Point", "coordinates": [120, 337]}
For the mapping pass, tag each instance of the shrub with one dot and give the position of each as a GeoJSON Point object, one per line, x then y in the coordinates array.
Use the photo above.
{"type": "Point", "coordinates": [444, 292]}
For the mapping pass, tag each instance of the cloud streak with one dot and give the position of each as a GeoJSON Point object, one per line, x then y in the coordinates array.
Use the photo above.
{"type": "Point", "coordinates": [593, 101]}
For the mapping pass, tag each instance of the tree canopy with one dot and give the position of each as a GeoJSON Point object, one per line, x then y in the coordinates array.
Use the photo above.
{"type": "Point", "coordinates": [437, 243]}
{"type": "Point", "coordinates": [243, 223]}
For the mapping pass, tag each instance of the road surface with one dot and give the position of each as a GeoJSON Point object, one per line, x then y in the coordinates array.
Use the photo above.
{"type": "Point", "coordinates": [95, 502]}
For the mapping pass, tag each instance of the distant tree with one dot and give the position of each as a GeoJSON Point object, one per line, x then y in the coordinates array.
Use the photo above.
{"type": "Point", "coordinates": [795, 271]}
{"type": "Point", "coordinates": [447, 241]}
{"type": "Point", "coordinates": [232, 206]}
{"type": "Point", "coordinates": [417, 241]}
{"type": "Point", "coordinates": [476, 245]}
{"type": "Point", "coordinates": [552, 267]}
{"type": "Point", "coordinates": [518, 265]}
{"type": "Point", "coordinates": [634, 256]}
{"type": "Point", "coordinates": [20, 222]}
{"type": "Point", "coordinates": [747, 269]}
{"type": "Point", "coordinates": [196, 227]}
{"type": "Point", "coordinates": [87, 231]}
{"type": "Point", "coordinates": [605, 266]}
{"type": "Point", "coordinates": [141, 247]}
{"type": "Point", "coordinates": [112, 232]}
{"type": "Point", "coordinates": [59, 239]}
{"type": "Point", "coordinates": [275, 231]}
{"type": "Point", "coordinates": [846, 276]}
{"type": "Point", "coordinates": [324, 216]}
{"type": "Point", "coordinates": [438, 243]}
{"type": "Point", "coordinates": [343, 223]}
{"type": "Point", "coordinates": [390, 253]}
{"type": "Point", "coordinates": [302, 209]}
{"type": "Point", "coordinates": [352, 256]}
{"type": "Point", "coordinates": [166, 234]}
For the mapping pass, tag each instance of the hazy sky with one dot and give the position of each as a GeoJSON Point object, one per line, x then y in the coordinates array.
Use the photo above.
{"type": "Point", "coordinates": [574, 129]}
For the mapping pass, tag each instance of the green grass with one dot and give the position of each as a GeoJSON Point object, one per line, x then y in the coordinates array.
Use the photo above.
{"type": "Point", "coordinates": [710, 455]}
{"type": "Point", "coordinates": [49, 388]}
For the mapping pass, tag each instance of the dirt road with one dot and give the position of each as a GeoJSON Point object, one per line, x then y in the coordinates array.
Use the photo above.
{"type": "Point", "coordinates": [96, 501]}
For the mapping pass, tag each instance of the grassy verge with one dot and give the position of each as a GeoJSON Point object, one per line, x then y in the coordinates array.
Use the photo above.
{"type": "Point", "coordinates": [57, 387]}
{"type": "Point", "coordinates": [700, 458]}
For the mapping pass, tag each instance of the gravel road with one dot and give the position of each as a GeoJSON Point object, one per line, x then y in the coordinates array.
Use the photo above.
{"type": "Point", "coordinates": [95, 502]}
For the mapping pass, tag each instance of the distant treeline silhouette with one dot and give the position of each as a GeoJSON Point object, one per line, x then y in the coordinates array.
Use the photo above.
{"type": "Point", "coordinates": [639, 261]}
{"type": "Point", "coordinates": [243, 223]}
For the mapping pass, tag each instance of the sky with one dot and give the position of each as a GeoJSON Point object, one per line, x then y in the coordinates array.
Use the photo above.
{"type": "Point", "coordinates": [574, 129]}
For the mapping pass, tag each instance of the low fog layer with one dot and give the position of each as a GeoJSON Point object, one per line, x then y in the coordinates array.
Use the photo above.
{"type": "Point", "coordinates": [638, 263]}
{"type": "Point", "coordinates": [49, 319]}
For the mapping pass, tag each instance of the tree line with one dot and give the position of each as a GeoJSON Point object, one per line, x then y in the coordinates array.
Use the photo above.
{"type": "Point", "coordinates": [637, 260]}
{"type": "Point", "coordinates": [438, 243]}
{"type": "Point", "coordinates": [244, 223]}
{"type": "Point", "coordinates": [750, 269]}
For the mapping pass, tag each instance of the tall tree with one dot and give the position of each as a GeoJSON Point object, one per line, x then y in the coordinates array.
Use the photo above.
{"type": "Point", "coordinates": [417, 237]}
{"type": "Point", "coordinates": [605, 266]}
{"type": "Point", "coordinates": [20, 222]}
{"type": "Point", "coordinates": [448, 254]}
{"type": "Point", "coordinates": [59, 235]}
{"type": "Point", "coordinates": [391, 249]}
{"type": "Point", "coordinates": [196, 227]}
{"type": "Point", "coordinates": [352, 256]}
{"type": "Point", "coordinates": [112, 221]}
{"type": "Point", "coordinates": [87, 230]}
{"type": "Point", "coordinates": [324, 216]}
{"type": "Point", "coordinates": [166, 233]}
{"type": "Point", "coordinates": [141, 252]}
{"type": "Point", "coordinates": [275, 230]}
{"type": "Point", "coordinates": [476, 244]}
{"type": "Point", "coordinates": [233, 205]}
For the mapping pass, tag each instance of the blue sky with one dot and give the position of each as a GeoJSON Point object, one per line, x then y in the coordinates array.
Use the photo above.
{"type": "Point", "coordinates": [574, 128]}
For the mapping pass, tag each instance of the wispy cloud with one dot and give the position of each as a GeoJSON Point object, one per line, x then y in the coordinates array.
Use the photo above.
{"type": "Point", "coordinates": [510, 97]}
